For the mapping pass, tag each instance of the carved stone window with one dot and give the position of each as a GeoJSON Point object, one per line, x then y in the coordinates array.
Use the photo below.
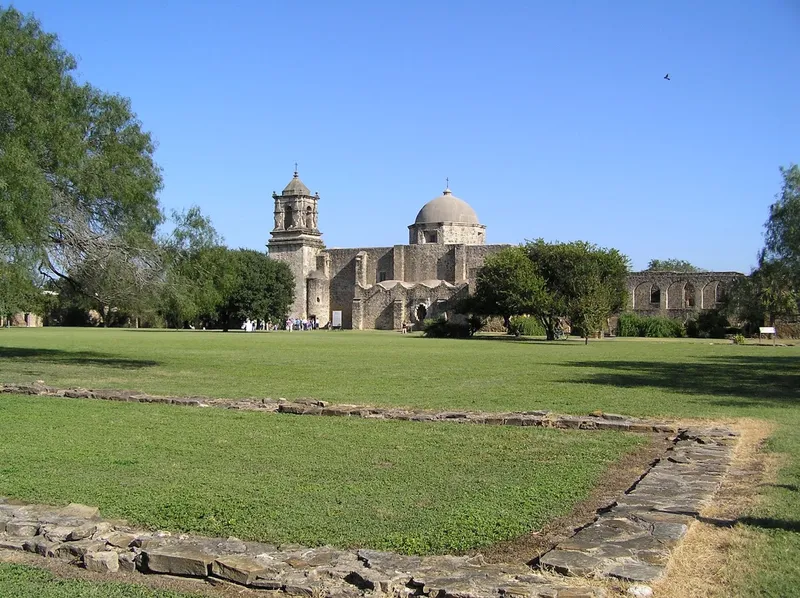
{"type": "Point", "coordinates": [431, 236]}
{"type": "Point", "coordinates": [288, 220]}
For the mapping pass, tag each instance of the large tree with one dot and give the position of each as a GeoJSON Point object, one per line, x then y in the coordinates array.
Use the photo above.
{"type": "Point", "coordinates": [198, 270]}
{"type": "Point", "coordinates": [18, 288]}
{"type": "Point", "coordinates": [584, 283]}
{"type": "Point", "coordinates": [551, 281]}
{"type": "Point", "coordinates": [78, 183]}
{"type": "Point", "coordinates": [672, 265]}
{"type": "Point", "coordinates": [768, 294]}
{"type": "Point", "coordinates": [261, 288]}
{"type": "Point", "coordinates": [507, 285]}
{"type": "Point", "coordinates": [783, 227]}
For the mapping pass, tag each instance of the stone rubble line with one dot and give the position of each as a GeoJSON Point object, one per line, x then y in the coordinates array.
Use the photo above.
{"type": "Point", "coordinates": [76, 533]}
{"type": "Point", "coordinates": [543, 418]}
{"type": "Point", "coordinates": [634, 538]}
{"type": "Point", "coordinates": [631, 541]}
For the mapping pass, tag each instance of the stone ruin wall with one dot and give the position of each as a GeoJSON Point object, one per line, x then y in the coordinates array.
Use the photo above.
{"type": "Point", "coordinates": [678, 293]}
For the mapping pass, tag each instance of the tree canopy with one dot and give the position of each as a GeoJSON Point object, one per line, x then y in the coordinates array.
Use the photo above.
{"type": "Point", "coordinates": [78, 182]}
{"type": "Point", "coordinates": [673, 265]}
{"type": "Point", "coordinates": [551, 281]}
{"type": "Point", "coordinates": [783, 226]}
{"type": "Point", "coordinates": [261, 288]}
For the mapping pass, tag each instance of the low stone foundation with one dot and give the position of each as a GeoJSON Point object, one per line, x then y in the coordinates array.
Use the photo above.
{"type": "Point", "coordinates": [76, 533]}
{"type": "Point", "coordinates": [546, 419]}
{"type": "Point", "coordinates": [631, 540]}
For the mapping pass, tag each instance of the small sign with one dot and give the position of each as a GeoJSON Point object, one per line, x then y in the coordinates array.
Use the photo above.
{"type": "Point", "coordinates": [336, 320]}
{"type": "Point", "coordinates": [766, 330]}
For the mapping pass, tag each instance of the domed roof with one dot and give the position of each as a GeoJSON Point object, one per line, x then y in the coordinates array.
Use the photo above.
{"type": "Point", "coordinates": [447, 208]}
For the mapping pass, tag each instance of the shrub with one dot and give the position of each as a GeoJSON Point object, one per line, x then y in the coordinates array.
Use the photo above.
{"type": "Point", "coordinates": [709, 324]}
{"type": "Point", "coordinates": [628, 325]}
{"type": "Point", "coordinates": [441, 328]}
{"type": "Point", "coordinates": [738, 339]}
{"type": "Point", "coordinates": [525, 326]}
{"type": "Point", "coordinates": [649, 326]}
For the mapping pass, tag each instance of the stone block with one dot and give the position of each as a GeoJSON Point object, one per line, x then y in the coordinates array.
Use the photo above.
{"type": "Point", "coordinates": [12, 543]}
{"type": "Point", "coordinates": [636, 572]}
{"type": "Point", "coordinates": [22, 529]}
{"type": "Point", "coordinates": [106, 561]}
{"type": "Point", "coordinates": [71, 550]}
{"type": "Point", "coordinates": [120, 539]}
{"type": "Point", "coordinates": [127, 562]}
{"type": "Point", "coordinates": [82, 532]}
{"type": "Point", "coordinates": [242, 569]}
{"type": "Point", "coordinates": [56, 532]}
{"type": "Point", "coordinates": [179, 560]}
{"type": "Point", "coordinates": [78, 511]}
{"type": "Point", "coordinates": [568, 562]}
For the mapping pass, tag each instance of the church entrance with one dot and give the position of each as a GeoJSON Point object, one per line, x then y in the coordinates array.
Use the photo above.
{"type": "Point", "coordinates": [421, 313]}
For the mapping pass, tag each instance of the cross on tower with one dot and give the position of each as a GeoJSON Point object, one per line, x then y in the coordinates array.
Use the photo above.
{"type": "Point", "coordinates": [447, 181]}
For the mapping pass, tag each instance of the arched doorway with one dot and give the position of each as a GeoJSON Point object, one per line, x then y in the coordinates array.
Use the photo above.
{"type": "Point", "coordinates": [421, 313]}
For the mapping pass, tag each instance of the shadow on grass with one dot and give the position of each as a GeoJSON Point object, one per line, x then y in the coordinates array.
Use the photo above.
{"type": "Point", "coordinates": [523, 340]}
{"type": "Point", "coordinates": [59, 357]}
{"type": "Point", "coordinates": [746, 380]}
{"type": "Point", "coordinates": [787, 525]}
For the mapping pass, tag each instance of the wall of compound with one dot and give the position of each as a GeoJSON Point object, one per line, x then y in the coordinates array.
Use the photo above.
{"type": "Point", "coordinates": [383, 309]}
{"type": "Point", "coordinates": [677, 294]}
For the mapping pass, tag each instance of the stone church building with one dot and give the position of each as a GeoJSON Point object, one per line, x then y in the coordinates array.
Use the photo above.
{"type": "Point", "coordinates": [382, 287]}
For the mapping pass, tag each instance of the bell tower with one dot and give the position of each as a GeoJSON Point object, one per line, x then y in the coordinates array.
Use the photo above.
{"type": "Point", "coordinates": [296, 240]}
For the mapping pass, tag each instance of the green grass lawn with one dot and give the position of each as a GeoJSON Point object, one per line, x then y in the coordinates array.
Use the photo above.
{"type": "Point", "coordinates": [20, 581]}
{"type": "Point", "coordinates": [669, 378]}
{"type": "Point", "coordinates": [404, 486]}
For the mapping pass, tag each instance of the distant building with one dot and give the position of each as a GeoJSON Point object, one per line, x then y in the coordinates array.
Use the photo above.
{"type": "Point", "coordinates": [382, 287]}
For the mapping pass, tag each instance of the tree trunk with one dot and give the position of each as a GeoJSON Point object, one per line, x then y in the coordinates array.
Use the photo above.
{"type": "Point", "coordinates": [586, 339]}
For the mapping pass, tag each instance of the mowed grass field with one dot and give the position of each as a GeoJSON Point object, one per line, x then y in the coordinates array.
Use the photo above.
{"type": "Point", "coordinates": [660, 378]}
{"type": "Point", "coordinates": [405, 486]}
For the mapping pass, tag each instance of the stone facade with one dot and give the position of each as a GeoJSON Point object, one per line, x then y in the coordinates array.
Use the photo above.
{"type": "Point", "coordinates": [677, 294]}
{"type": "Point", "coordinates": [382, 287]}
{"type": "Point", "coordinates": [379, 287]}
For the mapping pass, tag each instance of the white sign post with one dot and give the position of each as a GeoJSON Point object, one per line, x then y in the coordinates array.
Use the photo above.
{"type": "Point", "coordinates": [767, 330]}
{"type": "Point", "coordinates": [336, 320]}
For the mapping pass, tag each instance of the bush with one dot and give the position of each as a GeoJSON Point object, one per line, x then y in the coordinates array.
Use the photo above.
{"type": "Point", "coordinates": [649, 326]}
{"type": "Point", "coordinates": [525, 326]}
{"type": "Point", "coordinates": [738, 339]}
{"type": "Point", "coordinates": [709, 324]}
{"type": "Point", "coordinates": [441, 328]}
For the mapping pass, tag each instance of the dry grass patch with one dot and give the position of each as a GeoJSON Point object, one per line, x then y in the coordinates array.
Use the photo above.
{"type": "Point", "coordinates": [708, 563]}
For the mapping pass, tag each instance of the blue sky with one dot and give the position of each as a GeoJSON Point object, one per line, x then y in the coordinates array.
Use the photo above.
{"type": "Point", "coordinates": [551, 119]}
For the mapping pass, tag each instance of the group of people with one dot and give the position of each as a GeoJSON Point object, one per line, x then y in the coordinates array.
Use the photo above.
{"type": "Point", "coordinates": [290, 324]}
{"type": "Point", "coordinates": [301, 324]}
{"type": "Point", "coordinates": [251, 325]}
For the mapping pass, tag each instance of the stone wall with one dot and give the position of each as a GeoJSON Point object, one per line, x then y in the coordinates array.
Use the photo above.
{"type": "Point", "coordinates": [447, 233]}
{"type": "Point", "coordinates": [677, 294]}
{"type": "Point", "coordinates": [386, 306]}
{"type": "Point", "coordinates": [22, 320]}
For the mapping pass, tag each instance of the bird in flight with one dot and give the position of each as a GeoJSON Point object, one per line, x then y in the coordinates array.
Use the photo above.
{"type": "Point", "coordinates": [667, 77]}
